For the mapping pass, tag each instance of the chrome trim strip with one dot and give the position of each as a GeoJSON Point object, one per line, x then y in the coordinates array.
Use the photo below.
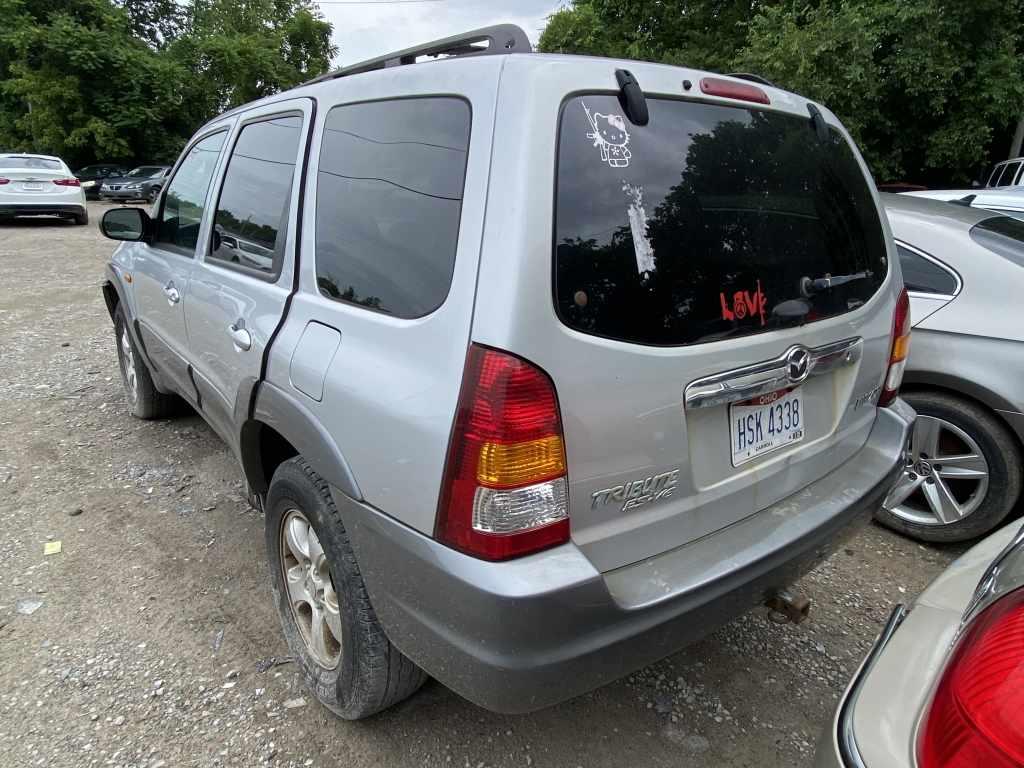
{"type": "Point", "coordinates": [846, 740]}
{"type": "Point", "coordinates": [1003, 575]}
{"type": "Point", "coordinates": [768, 376]}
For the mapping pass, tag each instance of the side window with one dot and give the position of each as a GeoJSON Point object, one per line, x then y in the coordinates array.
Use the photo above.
{"type": "Point", "coordinates": [185, 201]}
{"type": "Point", "coordinates": [250, 223]}
{"type": "Point", "coordinates": [919, 274]}
{"type": "Point", "coordinates": [389, 201]}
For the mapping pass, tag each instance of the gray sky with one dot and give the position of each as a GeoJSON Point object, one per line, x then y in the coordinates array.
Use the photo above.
{"type": "Point", "coordinates": [367, 29]}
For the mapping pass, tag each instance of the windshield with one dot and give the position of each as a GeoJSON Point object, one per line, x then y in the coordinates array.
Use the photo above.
{"type": "Point", "coordinates": [1003, 235]}
{"type": "Point", "coordinates": [146, 171]}
{"type": "Point", "coordinates": [41, 163]}
{"type": "Point", "coordinates": [705, 223]}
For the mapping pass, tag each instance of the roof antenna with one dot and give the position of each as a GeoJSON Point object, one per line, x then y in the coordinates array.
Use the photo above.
{"type": "Point", "coordinates": [631, 97]}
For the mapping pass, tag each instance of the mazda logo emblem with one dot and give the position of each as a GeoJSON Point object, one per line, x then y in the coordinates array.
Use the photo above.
{"type": "Point", "coordinates": [798, 364]}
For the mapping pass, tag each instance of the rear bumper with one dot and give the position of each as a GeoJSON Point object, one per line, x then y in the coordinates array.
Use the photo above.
{"type": "Point", "coordinates": [522, 635]}
{"type": "Point", "coordinates": [41, 209]}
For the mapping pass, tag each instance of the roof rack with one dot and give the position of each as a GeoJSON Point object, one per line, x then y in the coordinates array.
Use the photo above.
{"type": "Point", "coordinates": [501, 38]}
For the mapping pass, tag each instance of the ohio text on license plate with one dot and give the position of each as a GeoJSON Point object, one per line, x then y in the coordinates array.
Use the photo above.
{"type": "Point", "coordinates": [765, 423]}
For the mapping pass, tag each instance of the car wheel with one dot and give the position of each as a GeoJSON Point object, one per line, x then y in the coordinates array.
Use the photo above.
{"type": "Point", "coordinates": [82, 218]}
{"type": "Point", "coordinates": [962, 476]}
{"type": "Point", "coordinates": [346, 659]}
{"type": "Point", "coordinates": [145, 401]}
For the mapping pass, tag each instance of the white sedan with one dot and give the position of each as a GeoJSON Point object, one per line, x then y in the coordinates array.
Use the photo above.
{"type": "Point", "coordinates": [40, 185]}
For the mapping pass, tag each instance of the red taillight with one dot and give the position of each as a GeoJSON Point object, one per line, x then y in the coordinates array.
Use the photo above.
{"type": "Point", "coordinates": [977, 715]}
{"type": "Point", "coordinates": [5, 181]}
{"type": "Point", "coordinates": [504, 492]}
{"type": "Point", "coordinates": [899, 350]}
{"type": "Point", "coordinates": [67, 182]}
{"type": "Point", "coordinates": [716, 86]}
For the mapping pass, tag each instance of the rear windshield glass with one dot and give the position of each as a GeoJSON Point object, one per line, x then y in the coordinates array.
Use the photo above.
{"type": "Point", "coordinates": [1003, 235]}
{"type": "Point", "coordinates": [30, 162]}
{"type": "Point", "coordinates": [707, 223]}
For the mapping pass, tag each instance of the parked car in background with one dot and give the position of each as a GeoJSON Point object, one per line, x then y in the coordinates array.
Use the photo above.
{"type": "Point", "coordinates": [524, 426]}
{"type": "Point", "coordinates": [1008, 200]}
{"type": "Point", "coordinates": [943, 686]}
{"type": "Point", "coordinates": [38, 185]}
{"type": "Point", "coordinates": [92, 176]}
{"type": "Point", "coordinates": [964, 270]}
{"type": "Point", "coordinates": [1007, 173]}
{"type": "Point", "coordinates": [142, 183]}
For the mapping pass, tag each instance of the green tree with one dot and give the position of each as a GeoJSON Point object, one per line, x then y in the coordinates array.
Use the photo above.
{"type": "Point", "coordinates": [96, 80]}
{"type": "Point", "coordinates": [930, 89]}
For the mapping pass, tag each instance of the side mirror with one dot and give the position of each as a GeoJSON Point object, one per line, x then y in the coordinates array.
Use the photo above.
{"type": "Point", "coordinates": [130, 224]}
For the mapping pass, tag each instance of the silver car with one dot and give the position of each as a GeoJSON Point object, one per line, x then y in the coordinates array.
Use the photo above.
{"type": "Point", "coordinates": [944, 685]}
{"type": "Point", "coordinates": [548, 366]}
{"type": "Point", "coordinates": [964, 269]}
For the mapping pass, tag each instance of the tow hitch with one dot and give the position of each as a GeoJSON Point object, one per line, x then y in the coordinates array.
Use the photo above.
{"type": "Point", "coordinates": [788, 607]}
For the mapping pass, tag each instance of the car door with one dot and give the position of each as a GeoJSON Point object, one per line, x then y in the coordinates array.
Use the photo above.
{"type": "Point", "coordinates": [245, 274]}
{"type": "Point", "coordinates": [162, 268]}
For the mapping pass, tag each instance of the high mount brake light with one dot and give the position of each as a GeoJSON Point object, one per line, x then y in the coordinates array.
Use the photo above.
{"type": "Point", "coordinates": [505, 492]}
{"type": "Point", "coordinates": [977, 715]}
{"type": "Point", "coordinates": [716, 86]}
{"type": "Point", "coordinates": [899, 350]}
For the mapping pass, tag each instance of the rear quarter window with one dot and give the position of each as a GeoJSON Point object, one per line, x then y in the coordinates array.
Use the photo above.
{"type": "Point", "coordinates": [703, 224]}
{"type": "Point", "coordinates": [389, 202]}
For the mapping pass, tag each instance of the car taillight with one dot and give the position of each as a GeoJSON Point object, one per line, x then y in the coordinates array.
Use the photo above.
{"type": "Point", "coordinates": [899, 350]}
{"type": "Point", "coordinates": [67, 182]}
{"type": "Point", "coordinates": [977, 715]}
{"type": "Point", "coordinates": [5, 181]}
{"type": "Point", "coordinates": [504, 492]}
{"type": "Point", "coordinates": [716, 86]}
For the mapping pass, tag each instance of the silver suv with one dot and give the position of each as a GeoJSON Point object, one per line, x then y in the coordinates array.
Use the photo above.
{"type": "Point", "coordinates": [540, 367]}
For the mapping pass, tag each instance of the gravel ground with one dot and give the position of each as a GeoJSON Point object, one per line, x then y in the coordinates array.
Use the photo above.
{"type": "Point", "coordinates": [150, 639]}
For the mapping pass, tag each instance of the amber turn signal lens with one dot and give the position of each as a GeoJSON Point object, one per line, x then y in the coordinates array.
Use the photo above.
{"type": "Point", "coordinates": [504, 465]}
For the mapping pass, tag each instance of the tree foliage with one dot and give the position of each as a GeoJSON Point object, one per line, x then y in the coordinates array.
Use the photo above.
{"type": "Point", "coordinates": [97, 80]}
{"type": "Point", "coordinates": [930, 89]}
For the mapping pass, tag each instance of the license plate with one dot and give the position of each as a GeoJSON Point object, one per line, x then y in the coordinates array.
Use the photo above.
{"type": "Point", "coordinates": [31, 187]}
{"type": "Point", "coordinates": [765, 424]}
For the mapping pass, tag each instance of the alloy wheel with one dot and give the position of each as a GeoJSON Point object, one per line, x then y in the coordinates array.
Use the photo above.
{"type": "Point", "coordinates": [311, 593]}
{"type": "Point", "coordinates": [131, 378]}
{"type": "Point", "coordinates": [945, 478]}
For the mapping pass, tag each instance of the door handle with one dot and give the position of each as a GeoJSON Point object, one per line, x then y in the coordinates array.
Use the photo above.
{"type": "Point", "coordinates": [240, 337]}
{"type": "Point", "coordinates": [173, 297]}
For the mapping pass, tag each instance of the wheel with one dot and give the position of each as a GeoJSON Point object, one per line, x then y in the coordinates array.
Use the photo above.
{"type": "Point", "coordinates": [963, 473]}
{"type": "Point", "coordinates": [330, 626]}
{"type": "Point", "coordinates": [82, 218]}
{"type": "Point", "coordinates": [145, 401]}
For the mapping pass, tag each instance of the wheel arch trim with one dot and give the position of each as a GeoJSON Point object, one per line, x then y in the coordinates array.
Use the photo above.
{"type": "Point", "coordinates": [283, 413]}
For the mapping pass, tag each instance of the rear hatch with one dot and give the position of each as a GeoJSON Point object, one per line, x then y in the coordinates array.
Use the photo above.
{"type": "Point", "coordinates": [722, 323]}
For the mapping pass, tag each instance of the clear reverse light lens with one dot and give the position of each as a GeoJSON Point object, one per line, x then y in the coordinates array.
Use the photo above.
{"type": "Point", "coordinates": [520, 509]}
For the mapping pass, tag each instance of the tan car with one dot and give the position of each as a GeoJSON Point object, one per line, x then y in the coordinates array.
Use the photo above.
{"type": "Point", "coordinates": [944, 685]}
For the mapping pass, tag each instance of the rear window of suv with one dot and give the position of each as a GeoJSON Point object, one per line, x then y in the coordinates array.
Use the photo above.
{"type": "Point", "coordinates": [704, 223]}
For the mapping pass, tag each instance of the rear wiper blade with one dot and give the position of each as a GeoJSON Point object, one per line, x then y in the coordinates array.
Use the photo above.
{"type": "Point", "coordinates": [809, 286]}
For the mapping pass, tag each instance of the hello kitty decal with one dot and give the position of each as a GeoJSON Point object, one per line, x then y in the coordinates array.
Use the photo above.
{"type": "Point", "coordinates": [610, 134]}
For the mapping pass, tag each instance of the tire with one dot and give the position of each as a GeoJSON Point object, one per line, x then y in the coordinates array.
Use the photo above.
{"type": "Point", "coordinates": [144, 400]}
{"type": "Point", "coordinates": [82, 218]}
{"type": "Point", "coordinates": [1000, 452]}
{"type": "Point", "coordinates": [367, 673]}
